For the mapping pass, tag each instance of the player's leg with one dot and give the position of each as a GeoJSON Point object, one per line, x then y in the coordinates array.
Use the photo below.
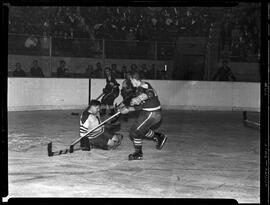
{"type": "Point", "coordinates": [115, 141]}
{"type": "Point", "coordinates": [100, 142]}
{"type": "Point", "coordinates": [137, 132]}
{"type": "Point", "coordinates": [106, 141]}
{"type": "Point", "coordinates": [147, 129]}
{"type": "Point", "coordinates": [85, 144]}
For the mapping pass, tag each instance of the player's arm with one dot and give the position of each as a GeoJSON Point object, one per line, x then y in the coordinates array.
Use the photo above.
{"type": "Point", "coordinates": [146, 95]}
{"type": "Point", "coordinates": [125, 110]}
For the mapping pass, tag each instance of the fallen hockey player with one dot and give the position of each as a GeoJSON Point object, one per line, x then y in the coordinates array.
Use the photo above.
{"type": "Point", "coordinates": [101, 138]}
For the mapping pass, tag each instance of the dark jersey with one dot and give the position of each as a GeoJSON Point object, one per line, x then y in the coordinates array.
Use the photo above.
{"type": "Point", "coordinates": [150, 104]}
{"type": "Point", "coordinates": [127, 88]}
{"type": "Point", "coordinates": [37, 72]}
{"type": "Point", "coordinates": [18, 73]}
{"type": "Point", "coordinates": [224, 74]}
{"type": "Point", "coordinates": [111, 88]}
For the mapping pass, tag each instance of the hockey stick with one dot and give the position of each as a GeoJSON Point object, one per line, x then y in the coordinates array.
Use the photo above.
{"type": "Point", "coordinates": [249, 123]}
{"type": "Point", "coordinates": [100, 96]}
{"type": "Point", "coordinates": [71, 147]}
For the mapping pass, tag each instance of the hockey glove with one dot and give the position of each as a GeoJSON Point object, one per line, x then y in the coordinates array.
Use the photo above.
{"type": "Point", "coordinates": [124, 110]}
{"type": "Point", "coordinates": [137, 100]}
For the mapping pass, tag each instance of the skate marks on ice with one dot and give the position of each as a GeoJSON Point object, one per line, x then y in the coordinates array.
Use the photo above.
{"type": "Point", "coordinates": [201, 159]}
{"type": "Point", "coordinates": [23, 142]}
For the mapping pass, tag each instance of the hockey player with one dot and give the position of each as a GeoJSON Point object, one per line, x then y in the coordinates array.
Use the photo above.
{"type": "Point", "coordinates": [147, 102]}
{"type": "Point", "coordinates": [111, 91]}
{"type": "Point", "coordinates": [127, 91]}
{"type": "Point", "coordinates": [102, 137]}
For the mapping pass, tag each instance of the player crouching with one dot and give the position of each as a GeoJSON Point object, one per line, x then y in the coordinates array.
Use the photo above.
{"type": "Point", "coordinates": [101, 138]}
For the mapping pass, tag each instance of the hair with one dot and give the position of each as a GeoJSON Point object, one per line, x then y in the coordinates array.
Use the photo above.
{"type": "Point", "coordinates": [135, 75]}
{"type": "Point", "coordinates": [94, 103]}
{"type": "Point", "coordinates": [225, 61]}
{"type": "Point", "coordinates": [85, 113]}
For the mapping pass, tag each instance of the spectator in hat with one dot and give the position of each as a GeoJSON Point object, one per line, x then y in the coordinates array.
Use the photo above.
{"type": "Point", "coordinates": [224, 73]}
{"type": "Point", "coordinates": [35, 70]}
{"type": "Point", "coordinates": [61, 71]}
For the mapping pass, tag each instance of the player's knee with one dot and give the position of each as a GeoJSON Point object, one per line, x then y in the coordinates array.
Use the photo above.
{"type": "Point", "coordinates": [134, 134]}
{"type": "Point", "coordinates": [115, 141]}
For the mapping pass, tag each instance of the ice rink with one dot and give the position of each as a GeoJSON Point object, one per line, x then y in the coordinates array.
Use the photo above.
{"type": "Point", "coordinates": [208, 154]}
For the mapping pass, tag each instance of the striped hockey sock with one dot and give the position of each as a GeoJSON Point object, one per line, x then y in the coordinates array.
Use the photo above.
{"type": "Point", "coordinates": [150, 135]}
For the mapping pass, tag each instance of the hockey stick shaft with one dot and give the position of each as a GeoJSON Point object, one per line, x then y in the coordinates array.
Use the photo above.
{"type": "Point", "coordinates": [100, 96]}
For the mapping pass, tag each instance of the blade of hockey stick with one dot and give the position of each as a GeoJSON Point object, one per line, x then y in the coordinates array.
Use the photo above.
{"type": "Point", "coordinates": [65, 151]}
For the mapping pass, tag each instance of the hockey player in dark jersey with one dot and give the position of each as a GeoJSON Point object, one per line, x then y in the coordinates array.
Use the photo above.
{"type": "Point", "coordinates": [147, 102]}
{"type": "Point", "coordinates": [101, 138]}
{"type": "Point", "coordinates": [111, 91]}
{"type": "Point", "coordinates": [127, 91]}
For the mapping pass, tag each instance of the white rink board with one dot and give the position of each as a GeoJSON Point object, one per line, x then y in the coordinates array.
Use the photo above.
{"type": "Point", "coordinates": [198, 95]}
{"type": "Point", "coordinates": [47, 93]}
{"type": "Point", "coordinates": [72, 93]}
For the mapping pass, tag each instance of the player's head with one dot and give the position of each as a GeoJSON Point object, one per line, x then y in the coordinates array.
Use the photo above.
{"type": "Point", "coordinates": [135, 79]}
{"type": "Point", "coordinates": [127, 75]}
{"type": "Point", "coordinates": [225, 62]}
{"type": "Point", "coordinates": [62, 63]}
{"type": "Point", "coordinates": [18, 66]}
{"type": "Point", "coordinates": [107, 71]}
{"type": "Point", "coordinates": [94, 106]}
{"type": "Point", "coordinates": [35, 62]}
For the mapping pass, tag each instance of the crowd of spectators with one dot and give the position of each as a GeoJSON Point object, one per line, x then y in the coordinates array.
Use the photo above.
{"type": "Point", "coordinates": [116, 23]}
{"type": "Point", "coordinates": [240, 33]}
{"type": "Point", "coordinates": [91, 71]}
{"type": "Point", "coordinates": [130, 31]}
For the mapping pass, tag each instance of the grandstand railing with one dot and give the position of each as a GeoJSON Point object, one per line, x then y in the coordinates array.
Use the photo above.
{"type": "Point", "coordinates": [87, 48]}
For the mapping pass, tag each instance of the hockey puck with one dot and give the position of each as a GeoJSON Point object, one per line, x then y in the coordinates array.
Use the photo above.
{"type": "Point", "coordinates": [74, 113]}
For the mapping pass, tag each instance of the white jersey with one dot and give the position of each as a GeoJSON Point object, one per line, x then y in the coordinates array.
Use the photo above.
{"type": "Point", "coordinates": [88, 121]}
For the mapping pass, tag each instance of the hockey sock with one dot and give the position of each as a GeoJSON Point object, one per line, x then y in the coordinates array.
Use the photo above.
{"type": "Point", "coordinates": [138, 144]}
{"type": "Point", "coordinates": [150, 135]}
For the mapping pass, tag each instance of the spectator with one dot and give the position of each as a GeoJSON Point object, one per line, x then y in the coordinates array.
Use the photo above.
{"type": "Point", "coordinates": [123, 71]}
{"type": "Point", "coordinates": [45, 44]}
{"type": "Point", "coordinates": [18, 72]}
{"type": "Point", "coordinates": [45, 41]}
{"type": "Point", "coordinates": [144, 72]}
{"type": "Point", "coordinates": [61, 71]}
{"type": "Point", "coordinates": [89, 72]}
{"type": "Point", "coordinates": [153, 72]}
{"type": "Point", "coordinates": [133, 68]}
{"type": "Point", "coordinates": [163, 74]}
{"type": "Point", "coordinates": [224, 73]}
{"type": "Point", "coordinates": [36, 71]}
{"type": "Point", "coordinates": [98, 71]}
{"type": "Point", "coordinates": [115, 72]}
{"type": "Point", "coordinates": [131, 42]}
